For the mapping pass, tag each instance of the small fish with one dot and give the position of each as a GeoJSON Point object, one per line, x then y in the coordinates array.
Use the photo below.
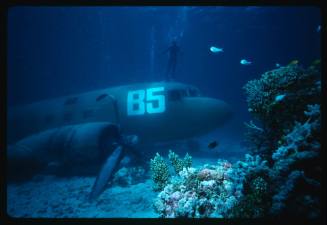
{"type": "Point", "coordinates": [245, 62]}
{"type": "Point", "coordinates": [293, 62]}
{"type": "Point", "coordinates": [277, 65]}
{"type": "Point", "coordinates": [213, 144]}
{"type": "Point", "coordinates": [216, 49]}
{"type": "Point", "coordinates": [279, 98]}
{"type": "Point", "coordinates": [318, 28]}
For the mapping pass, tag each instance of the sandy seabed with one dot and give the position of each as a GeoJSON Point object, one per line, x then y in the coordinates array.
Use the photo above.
{"type": "Point", "coordinates": [67, 197]}
{"type": "Point", "coordinates": [53, 197]}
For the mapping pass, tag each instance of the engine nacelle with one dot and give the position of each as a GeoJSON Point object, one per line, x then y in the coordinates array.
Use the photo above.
{"type": "Point", "coordinates": [69, 145]}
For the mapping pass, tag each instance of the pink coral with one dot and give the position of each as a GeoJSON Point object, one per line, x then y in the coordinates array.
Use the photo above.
{"type": "Point", "coordinates": [176, 196]}
{"type": "Point", "coordinates": [205, 174]}
{"type": "Point", "coordinates": [227, 165]}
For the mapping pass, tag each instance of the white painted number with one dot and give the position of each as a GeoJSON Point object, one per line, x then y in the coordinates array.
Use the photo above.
{"type": "Point", "coordinates": [150, 96]}
{"type": "Point", "coordinates": [135, 102]}
{"type": "Point", "coordinates": [155, 103]}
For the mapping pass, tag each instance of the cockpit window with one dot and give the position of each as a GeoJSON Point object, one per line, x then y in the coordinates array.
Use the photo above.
{"type": "Point", "coordinates": [176, 95]}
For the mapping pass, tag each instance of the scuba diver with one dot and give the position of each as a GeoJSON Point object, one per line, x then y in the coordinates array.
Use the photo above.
{"type": "Point", "coordinates": [173, 51]}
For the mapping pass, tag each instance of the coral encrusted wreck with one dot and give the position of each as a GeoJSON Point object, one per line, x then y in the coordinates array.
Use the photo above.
{"type": "Point", "coordinates": [282, 175]}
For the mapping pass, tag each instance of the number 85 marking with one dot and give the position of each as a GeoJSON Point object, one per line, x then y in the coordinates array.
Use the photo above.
{"type": "Point", "coordinates": [137, 104]}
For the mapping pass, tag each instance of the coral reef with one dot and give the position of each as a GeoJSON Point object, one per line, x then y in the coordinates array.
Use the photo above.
{"type": "Point", "coordinates": [255, 202]}
{"type": "Point", "coordinates": [254, 174]}
{"type": "Point", "coordinates": [297, 169]}
{"type": "Point", "coordinates": [269, 99]}
{"type": "Point", "coordinates": [289, 138]}
{"type": "Point", "coordinates": [210, 190]}
{"type": "Point", "coordinates": [281, 177]}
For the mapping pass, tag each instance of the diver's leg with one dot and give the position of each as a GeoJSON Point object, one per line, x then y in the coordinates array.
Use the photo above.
{"type": "Point", "coordinates": [169, 69]}
{"type": "Point", "coordinates": [173, 70]}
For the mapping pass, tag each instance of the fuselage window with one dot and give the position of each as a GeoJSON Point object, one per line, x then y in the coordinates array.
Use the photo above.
{"type": "Point", "coordinates": [88, 113]}
{"type": "Point", "coordinates": [176, 95]}
{"type": "Point", "coordinates": [71, 101]}
{"type": "Point", "coordinates": [68, 117]}
{"type": "Point", "coordinates": [100, 97]}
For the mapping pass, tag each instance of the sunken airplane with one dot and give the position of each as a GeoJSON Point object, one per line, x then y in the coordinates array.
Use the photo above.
{"type": "Point", "coordinates": [99, 128]}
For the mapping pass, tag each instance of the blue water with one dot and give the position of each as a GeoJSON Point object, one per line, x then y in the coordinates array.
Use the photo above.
{"type": "Point", "coordinates": [57, 51]}
{"type": "Point", "coordinates": [63, 50]}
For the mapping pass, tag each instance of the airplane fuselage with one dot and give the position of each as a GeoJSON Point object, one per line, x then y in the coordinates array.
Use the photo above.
{"type": "Point", "coordinates": [99, 128]}
{"type": "Point", "coordinates": [155, 112]}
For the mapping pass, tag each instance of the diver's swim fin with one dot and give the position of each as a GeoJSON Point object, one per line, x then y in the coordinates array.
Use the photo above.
{"type": "Point", "coordinates": [107, 170]}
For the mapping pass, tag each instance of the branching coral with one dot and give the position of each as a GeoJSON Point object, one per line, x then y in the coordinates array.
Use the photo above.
{"type": "Point", "coordinates": [292, 81]}
{"type": "Point", "coordinates": [297, 168]}
{"type": "Point", "coordinates": [160, 169]}
{"type": "Point", "coordinates": [160, 172]}
{"type": "Point", "coordinates": [178, 163]}
{"type": "Point", "coordinates": [303, 142]}
{"type": "Point", "coordinates": [254, 177]}
{"type": "Point", "coordinates": [293, 179]}
{"type": "Point", "coordinates": [255, 203]}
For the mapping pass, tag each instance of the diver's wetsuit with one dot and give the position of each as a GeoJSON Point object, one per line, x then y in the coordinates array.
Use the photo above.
{"type": "Point", "coordinates": [173, 51]}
